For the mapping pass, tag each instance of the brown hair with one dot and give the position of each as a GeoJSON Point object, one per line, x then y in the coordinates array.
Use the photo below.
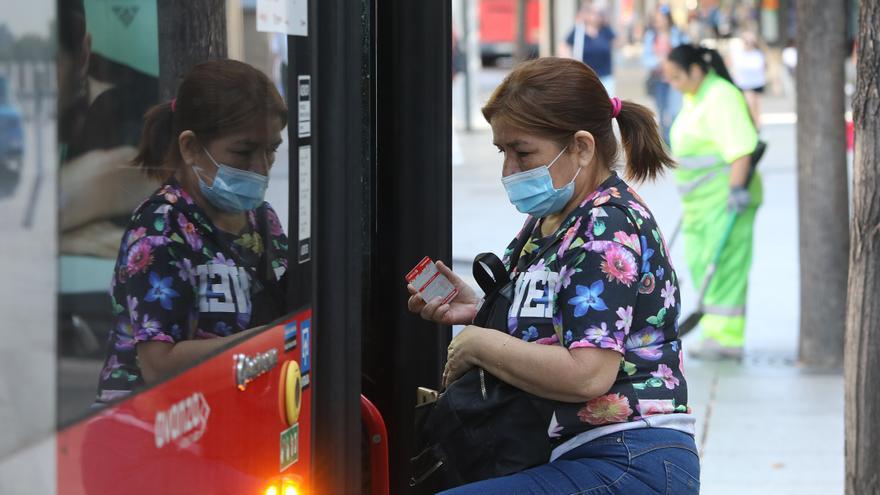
{"type": "Point", "coordinates": [214, 98]}
{"type": "Point", "coordinates": [556, 97]}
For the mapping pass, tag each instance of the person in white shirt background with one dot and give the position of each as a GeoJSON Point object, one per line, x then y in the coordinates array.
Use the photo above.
{"type": "Point", "coordinates": [749, 66]}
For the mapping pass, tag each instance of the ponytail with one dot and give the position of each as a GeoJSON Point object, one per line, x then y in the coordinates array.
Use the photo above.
{"type": "Point", "coordinates": [714, 60]}
{"type": "Point", "coordinates": [646, 157]}
{"type": "Point", "coordinates": [707, 59]}
{"type": "Point", "coordinates": [156, 142]}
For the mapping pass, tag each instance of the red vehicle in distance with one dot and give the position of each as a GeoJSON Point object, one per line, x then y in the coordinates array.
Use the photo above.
{"type": "Point", "coordinates": [498, 29]}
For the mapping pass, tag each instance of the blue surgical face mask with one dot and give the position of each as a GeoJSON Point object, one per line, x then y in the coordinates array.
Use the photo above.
{"type": "Point", "coordinates": [532, 191]}
{"type": "Point", "coordinates": [233, 190]}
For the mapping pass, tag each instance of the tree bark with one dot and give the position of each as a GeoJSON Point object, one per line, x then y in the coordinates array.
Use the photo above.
{"type": "Point", "coordinates": [862, 370]}
{"type": "Point", "coordinates": [822, 182]}
{"type": "Point", "coordinates": [189, 32]}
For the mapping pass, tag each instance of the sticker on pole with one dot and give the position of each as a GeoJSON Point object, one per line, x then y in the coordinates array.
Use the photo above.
{"type": "Point", "coordinates": [304, 244]}
{"type": "Point", "coordinates": [283, 16]}
{"type": "Point", "coordinates": [304, 105]}
{"type": "Point", "coordinates": [430, 283]}
{"type": "Point", "coordinates": [289, 446]}
{"type": "Point", "coordinates": [289, 336]}
{"type": "Point", "coordinates": [305, 357]}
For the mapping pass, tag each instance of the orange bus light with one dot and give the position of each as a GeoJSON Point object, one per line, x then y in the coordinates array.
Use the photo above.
{"type": "Point", "coordinates": [290, 488]}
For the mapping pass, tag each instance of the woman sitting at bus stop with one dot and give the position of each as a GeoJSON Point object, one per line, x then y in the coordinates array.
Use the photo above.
{"type": "Point", "coordinates": [200, 262]}
{"type": "Point", "coordinates": [601, 285]}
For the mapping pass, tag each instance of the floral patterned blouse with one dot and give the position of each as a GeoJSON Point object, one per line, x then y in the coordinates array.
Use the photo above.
{"type": "Point", "coordinates": [606, 283]}
{"type": "Point", "coordinates": [178, 278]}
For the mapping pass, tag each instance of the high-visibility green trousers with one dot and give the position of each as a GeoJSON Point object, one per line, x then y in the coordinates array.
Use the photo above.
{"type": "Point", "coordinates": [725, 300]}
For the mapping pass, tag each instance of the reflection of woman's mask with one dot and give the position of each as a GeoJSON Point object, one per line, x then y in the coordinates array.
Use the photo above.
{"type": "Point", "coordinates": [233, 190]}
{"type": "Point", "coordinates": [532, 191]}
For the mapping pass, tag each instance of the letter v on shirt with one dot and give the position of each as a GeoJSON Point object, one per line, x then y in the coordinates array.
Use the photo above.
{"type": "Point", "coordinates": [535, 294]}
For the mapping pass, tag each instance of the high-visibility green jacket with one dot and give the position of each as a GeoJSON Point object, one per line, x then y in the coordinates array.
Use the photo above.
{"type": "Point", "coordinates": [712, 130]}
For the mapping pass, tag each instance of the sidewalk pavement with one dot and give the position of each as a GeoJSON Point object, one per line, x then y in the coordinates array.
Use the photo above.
{"type": "Point", "coordinates": [764, 426]}
{"type": "Point", "coordinates": [28, 306]}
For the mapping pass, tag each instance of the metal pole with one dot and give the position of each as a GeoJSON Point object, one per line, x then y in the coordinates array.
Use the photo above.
{"type": "Point", "coordinates": [38, 80]}
{"type": "Point", "coordinates": [521, 52]}
{"type": "Point", "coordinates": [465, 42]}
{"type": "Point", "coordinates": [551, 23]}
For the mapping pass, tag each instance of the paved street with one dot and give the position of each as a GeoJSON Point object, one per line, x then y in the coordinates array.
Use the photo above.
{"type": "Point", "coordinates": [766, 426]}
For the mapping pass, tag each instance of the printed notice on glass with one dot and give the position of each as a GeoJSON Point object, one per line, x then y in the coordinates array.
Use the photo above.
{"type": "Point", "coordinates": [304, 246]}
{"type": "Point", "coordinates": [304, 105]}
{"type": "Point", "coordinates": [283, 16]}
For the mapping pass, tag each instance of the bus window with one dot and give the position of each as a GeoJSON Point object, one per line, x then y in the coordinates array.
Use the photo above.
{"type": "Point", "coordinates": [166, 242]}
{"type": "Point", "coordinates": [106, 83]}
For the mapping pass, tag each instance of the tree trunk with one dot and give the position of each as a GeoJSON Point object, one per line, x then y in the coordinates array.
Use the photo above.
{"type": "Point", "coordinates": [822, 181]}
{"type": "Point", "coordinates": [863, 307]}
{"type": "Point", "coordinates": [189, 32]}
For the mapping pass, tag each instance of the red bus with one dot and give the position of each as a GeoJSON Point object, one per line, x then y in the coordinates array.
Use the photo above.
{"type": "Point", "coordinates": [498, 28]}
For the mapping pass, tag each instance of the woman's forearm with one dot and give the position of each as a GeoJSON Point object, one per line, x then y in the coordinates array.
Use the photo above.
{"type": "Point", "coordinates": [739, 171]}
{"type": "Point", "coordinates": [159, 359]}
{"type": "Point", "coordinates": [549, 371]}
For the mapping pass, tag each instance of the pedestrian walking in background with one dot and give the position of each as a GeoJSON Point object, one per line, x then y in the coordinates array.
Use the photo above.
{"type": "Point", "coordinates": [789, 61]}
{"type": "Point", "coordinates": [659, 40]}
{"type": "Point", "coordinates": [591, 41]}
{"type": "Point", "coordinates": [750, 73]}
{"type": "Point", "coordinates": [712, 139]}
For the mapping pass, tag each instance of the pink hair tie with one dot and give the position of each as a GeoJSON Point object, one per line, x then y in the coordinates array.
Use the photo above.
{"type": "Point", "coordinates": [616, 105]}
{"type": "Point", "coordinates": [173, 105]}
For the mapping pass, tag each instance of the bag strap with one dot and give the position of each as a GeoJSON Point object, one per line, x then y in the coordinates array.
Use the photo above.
{"type": "Point", "coordinates": [489, 271]}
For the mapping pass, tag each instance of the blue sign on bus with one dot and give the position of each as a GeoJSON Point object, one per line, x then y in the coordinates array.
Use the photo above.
{"type": "Point", "coordinates": [305, 357]}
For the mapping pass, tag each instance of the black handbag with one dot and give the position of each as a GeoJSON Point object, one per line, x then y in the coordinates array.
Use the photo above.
{"type": "Point", "coordinates": [481, 427]}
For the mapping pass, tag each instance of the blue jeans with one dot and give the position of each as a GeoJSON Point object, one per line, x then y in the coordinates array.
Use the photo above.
{"type": "Point", "coordinates": [633, 462]}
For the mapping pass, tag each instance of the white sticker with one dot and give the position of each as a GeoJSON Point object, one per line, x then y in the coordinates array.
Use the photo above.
{"type": "Point", "coordinates": [283, 16]}
{"type": "Point", "coordinates": [304, 101]}
{"type": "Point", "coordinates": [305, 203]}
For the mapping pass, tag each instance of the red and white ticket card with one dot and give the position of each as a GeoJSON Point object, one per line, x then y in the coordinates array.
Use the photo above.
{"type": "Point", "coordinates": [430, 283]}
